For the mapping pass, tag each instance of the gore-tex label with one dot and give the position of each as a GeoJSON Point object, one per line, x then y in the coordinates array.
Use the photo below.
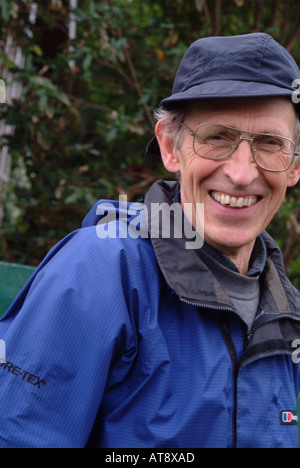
{"type": "Point", "coordinates": [22, 374]}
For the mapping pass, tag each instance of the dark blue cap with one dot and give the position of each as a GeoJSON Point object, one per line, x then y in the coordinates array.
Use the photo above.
{"type": "Point", "coordinates": [250, 65]}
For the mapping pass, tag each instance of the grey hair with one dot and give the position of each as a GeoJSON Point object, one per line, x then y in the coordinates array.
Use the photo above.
{"type": "Point", "coordinates": [172, 120]}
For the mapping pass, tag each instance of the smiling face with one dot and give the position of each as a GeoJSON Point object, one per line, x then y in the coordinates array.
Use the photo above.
{"type": "Point", "coordinates": [240, 199]}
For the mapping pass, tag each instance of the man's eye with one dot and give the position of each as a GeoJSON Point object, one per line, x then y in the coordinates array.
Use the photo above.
{"type": "Point", "coordinates": [220, 138]}
{"type": "Point", "coordinates": [217, 137]}
{"type": "Point", "coordinates": [271, 144]}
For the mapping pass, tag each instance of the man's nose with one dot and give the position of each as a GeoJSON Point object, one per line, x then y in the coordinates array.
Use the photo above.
{"type": "Point", "coordinates": [241, 167]}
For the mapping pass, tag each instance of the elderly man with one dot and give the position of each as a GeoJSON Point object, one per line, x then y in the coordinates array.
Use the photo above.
{"type": "Point", "coordinates": [124, 337]}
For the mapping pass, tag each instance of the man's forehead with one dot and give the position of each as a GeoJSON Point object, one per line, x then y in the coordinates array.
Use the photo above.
{"type": "Point", "coordinates": [274, 110]}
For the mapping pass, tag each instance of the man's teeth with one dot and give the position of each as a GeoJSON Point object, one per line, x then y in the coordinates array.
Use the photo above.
{"type": "Point", "coordinates": [234, 202]}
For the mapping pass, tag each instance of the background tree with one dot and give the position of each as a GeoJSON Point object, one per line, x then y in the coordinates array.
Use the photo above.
{"type": "Point", "coordinates": [85, 115]}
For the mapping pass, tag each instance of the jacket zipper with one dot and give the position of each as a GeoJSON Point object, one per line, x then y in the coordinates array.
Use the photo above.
{"type": "Point", "coordinates": [229, 309]}
{"type": "Point", "coordinates": [206, 306]}
{"type": "Point", "coordinates": [269, 320]}
{"type": "Point", "coordinates": [226, 333]}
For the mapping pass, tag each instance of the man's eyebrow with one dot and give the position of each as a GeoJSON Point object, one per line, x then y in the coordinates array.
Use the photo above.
{"type": "Point", "coordinates": [272, 132]}
{"type": "Point", "coordinates": [266, 131]}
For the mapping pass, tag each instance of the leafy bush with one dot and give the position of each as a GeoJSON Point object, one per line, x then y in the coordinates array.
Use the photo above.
{"type": "Point", "coordinates": [85, 115]}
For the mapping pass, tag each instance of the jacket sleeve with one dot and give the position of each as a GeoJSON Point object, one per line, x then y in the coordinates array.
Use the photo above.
{"type": "Point", "coordinates": [62, 335]}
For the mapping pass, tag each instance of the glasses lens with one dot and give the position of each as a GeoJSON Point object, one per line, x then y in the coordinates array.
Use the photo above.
{"type": "Point", "coordinates": [214, 141]}
{"type": "Point", "coordinates": [273, 152]}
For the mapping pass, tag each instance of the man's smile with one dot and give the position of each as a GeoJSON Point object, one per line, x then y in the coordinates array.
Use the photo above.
{"type": "Point", "coordinates": [234, 201]}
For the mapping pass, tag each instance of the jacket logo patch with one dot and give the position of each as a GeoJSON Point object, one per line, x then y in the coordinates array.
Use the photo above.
{"type": "Point", "coordinates": [289, 418]}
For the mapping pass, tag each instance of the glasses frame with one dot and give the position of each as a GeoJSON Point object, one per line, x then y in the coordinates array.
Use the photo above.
{"type": "Point", "coordinates": [241, 137]}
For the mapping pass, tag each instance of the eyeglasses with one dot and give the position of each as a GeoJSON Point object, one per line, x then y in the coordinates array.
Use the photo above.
{"type": "Point", "coordinates": [273, 153]}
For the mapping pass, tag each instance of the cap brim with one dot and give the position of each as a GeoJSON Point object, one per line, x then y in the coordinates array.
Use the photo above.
{"type": "Point", "coordinates": [227, 89]}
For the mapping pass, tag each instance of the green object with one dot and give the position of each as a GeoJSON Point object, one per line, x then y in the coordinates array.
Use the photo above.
{"type": "Point", "coordinates": [12, 279]}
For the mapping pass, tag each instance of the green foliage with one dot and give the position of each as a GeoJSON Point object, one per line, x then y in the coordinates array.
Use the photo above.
{"type": "Point", "coordinates": [85, 116]}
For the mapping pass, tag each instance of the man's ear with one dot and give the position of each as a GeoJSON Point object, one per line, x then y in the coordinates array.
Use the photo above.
{"type": "Point", "coordinates": [294, 175]}
{"type": "Point", "coordinates": [169, 155]}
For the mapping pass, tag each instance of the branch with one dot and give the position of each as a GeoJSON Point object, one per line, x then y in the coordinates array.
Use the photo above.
{"type": "Point", "coordinates": [284, 24]}
{"type": "Point", "coordinates": [207, 18]}
{"type": "Point", "coordinates": [291, 250]}
{"type": "Point", "coordinates": [217, 18]}
{"type": "Point", "coordinates": [293, 39]}
{"type": "Point", "coordinates": [259, 13]}
{"type": "Point", "coordinates": [135, 80]}
{"type": "Point", "coordinates": [293, 236]}
{"type": "Point", "coordinates": [275, 8]}
{"type": "Point", "coordinates": [136, 83]}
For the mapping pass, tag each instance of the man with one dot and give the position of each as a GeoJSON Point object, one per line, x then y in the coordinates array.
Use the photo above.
{"type": "Point", "coordinates": [130, 338]}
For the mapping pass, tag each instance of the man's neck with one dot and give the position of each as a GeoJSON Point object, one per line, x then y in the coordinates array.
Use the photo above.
{"type": "Point", "coordinates": [239, 256]}
{"type": "Point", "coordinates": [251, 264]}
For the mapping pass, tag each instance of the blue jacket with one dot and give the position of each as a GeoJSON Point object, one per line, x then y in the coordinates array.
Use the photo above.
{"type": "Point", "coordinates": [120, 341]}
